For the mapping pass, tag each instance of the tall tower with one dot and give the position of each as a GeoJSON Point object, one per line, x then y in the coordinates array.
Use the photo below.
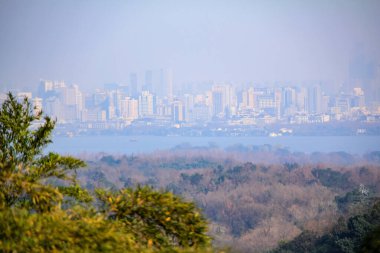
{"type": "Point", "coordinates": [189, 105]}
{"type": "Point", "coordinates": [218, 100]}
{"type": "Point", "coordinates": [314, 99]}
{"type": "Point", "coordinates": [288, 101]}
{"type": "Point", "coordinates": [133, 90]}
{"type": "Point", "coordinates": [148, 85]}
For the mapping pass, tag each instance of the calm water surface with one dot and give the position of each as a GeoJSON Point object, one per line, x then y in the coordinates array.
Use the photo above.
{"type": "Point", "coordinates": [144, 144]}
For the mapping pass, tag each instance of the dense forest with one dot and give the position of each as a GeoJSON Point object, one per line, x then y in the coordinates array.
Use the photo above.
{"type": "Point", "coordinates": [255, 198]}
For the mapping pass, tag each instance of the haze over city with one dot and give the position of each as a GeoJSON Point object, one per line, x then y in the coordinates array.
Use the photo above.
{"type": "Point", "coordinates": [249, 126]}
{"type": "Point", "coordinates": [91, 43]}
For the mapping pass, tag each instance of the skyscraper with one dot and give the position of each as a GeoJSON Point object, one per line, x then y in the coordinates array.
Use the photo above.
{"type": "Point", "coordinates": [133, 109]}
{"type": "Point", "coordinates": [288, 101]}
{"type": "Point", "coordinates": [178, 111]}
{"type": "Point", "coordinates": [146, 104]}
{"type": "Point", "coordinates": [73, 102]}
{"type": "Point", "coordinates": [189, 105]}
{"type": "Point", "coordinates": [314, 99]}
{"type": "Point", "coordinates": [133, 90]}
{"type": "Point", "coordinates": [148, 84]}
{"type": "Point", "coordinates": [218, 101]}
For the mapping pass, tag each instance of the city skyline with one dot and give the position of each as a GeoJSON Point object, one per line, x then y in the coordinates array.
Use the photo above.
{"type": "Point", "coordinates": [117, 106]}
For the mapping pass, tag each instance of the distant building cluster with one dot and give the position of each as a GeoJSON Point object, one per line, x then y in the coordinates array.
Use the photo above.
{"type": "Point", "coordinates": [153, 102]}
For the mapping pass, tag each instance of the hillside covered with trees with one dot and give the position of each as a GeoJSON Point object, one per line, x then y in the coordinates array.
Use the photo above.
{"type": "Point", "coordinates": [255, 198]}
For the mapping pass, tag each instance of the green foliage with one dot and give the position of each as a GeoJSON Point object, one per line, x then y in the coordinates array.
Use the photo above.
{"type": "Point", "coordinates": [331, 178]}
{"type": "Point", "coordinates": [194, 179]}
{"type": "Point", "coordinates": [24, 169]}
{"type": "Point", "coordinates": [371, 243]}
{"type": "Point", "coordinates": [110, 160]}
{"type": "Point", "coordinates": [360, 234]}
{"type": "Point", "coordinates": [158, 218]}
{"type": "Point", "coordinates": [184, 164]}
{"type": "Point", "coordinates": [291, 166]}
{"type": "Point", "coordinates": [31, 215]}
{"type": "Point", "coordinates": [356, 200]}
{"type": "Point", "coordinates": [74, 231]}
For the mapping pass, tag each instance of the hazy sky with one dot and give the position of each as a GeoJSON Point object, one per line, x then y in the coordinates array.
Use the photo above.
{"type": "Point", "coordinates": [96, 42]}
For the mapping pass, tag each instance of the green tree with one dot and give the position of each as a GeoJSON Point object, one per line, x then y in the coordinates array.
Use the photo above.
{"type": "Point", "coordinates": [157, 218]}
{"type": "Point", "coordinates": [33, 185]}
{"type": "Point", "coordinates": [24, 169]}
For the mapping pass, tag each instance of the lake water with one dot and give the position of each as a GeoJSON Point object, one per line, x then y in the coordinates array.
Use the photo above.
{"type": "Point", "coordinates": [145, 144]}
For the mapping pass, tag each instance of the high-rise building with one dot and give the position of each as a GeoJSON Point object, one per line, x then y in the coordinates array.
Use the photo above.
{"type": "Point", "coordinates": [288, 101]}
{"type": "Point", "coordinates": [314, 99]}
{"type": "Point", "coordinates": [189, 105]}
{"type": "Point", "coordinates": [288, 97]}
{"type": "Point", "coordinates": [45, 88]}
{"type": "Point", "coordinates": [148, 84]}
{"type": "Point", "coordinates": [277, 99]}
{"type": "Point", "coordinates": [146, 104]}
{"type": "Point", "coordinates": [248, 98]}
{"type": "Point", "coordinates": [268, 103]}
{"type": "Point", "coordinates": [73, 102]}
{"type": "Point", "coordinates": [133, 109]}
{"type": "Point", "coordinates": [201, 113]}
{"type": "Point", "coordinates": [301, 97]}
{"type": "Point", "coordinates": [133, 90]}
{"type": "Point", "coordinates": [358, 99]}
{"type": "Point", "coordinates": [124, 110]}
{"type": "Point", "coordinates": [54, 108]}
{"type": "Point", "coordinates": [178, 111]}
{"type": "Point", "coordinates": [111, 113]}
{"type": "Point", "coordinates": [222, 97]}
{"type": "Point", "coordinates": [218, 101]}
{"type": "Point", "coordinates": [342, 103]}
{"type": "Point", "coordinates": [129, 108]}
{"type": "Point", "coordinates": [111, 109]}
{"type": "Point", "coordinates": [59, 84]}
{"type": "Point", "coordinates": [117, 96]}
{"type": "Point", "coordinates": [325, 104]}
